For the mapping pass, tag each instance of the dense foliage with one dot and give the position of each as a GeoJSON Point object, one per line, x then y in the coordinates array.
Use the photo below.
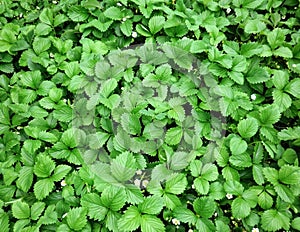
{"type": "Point", "coordinates": [149, 115]}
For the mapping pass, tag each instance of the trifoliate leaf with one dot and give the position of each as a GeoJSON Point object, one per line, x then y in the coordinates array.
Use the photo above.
{"type": "Point", "coordinates": [97, 140]}
{"type": "Point", "coordinates": [20, 210]}
{"type": "Point", "coordinates": [131, 123]}
{"type": "Point", "coordinates": [76, 218]}
{"type": "Point", "coordinates": [248, 127]}
{"type": "Point", "coordinates": [276, 38]}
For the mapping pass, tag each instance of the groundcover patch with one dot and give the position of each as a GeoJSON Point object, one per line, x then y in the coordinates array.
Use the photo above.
{"type": "Point", "coordinates": [149, 115]}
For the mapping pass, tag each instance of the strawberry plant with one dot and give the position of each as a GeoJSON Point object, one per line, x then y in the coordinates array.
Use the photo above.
{"type": "Point", "coordinates": [149, 115]}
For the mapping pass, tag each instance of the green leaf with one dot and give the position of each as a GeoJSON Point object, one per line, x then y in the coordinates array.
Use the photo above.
{"type": "Point", "coordinates": [237, 77]}
{"type": "Point", "coordinates": [113, 198]}
{"type": "Point", "coordinates": [238, 145]}
{"type": "Point", "coordinates": [78, 13]}
{"type": "Point", "coordinates": [184, 215]}
{"type": "Point", "coordinates": [233, 187]}
{"type": "Point", "coordinates": [273, 220]}
{"type": "Point", "coordinates": [151, 205]}
{"type": "Point", "coordinates": [25, 179]}
{"type": "Point", "coordinates": [124, 166]}
{"type": "Point", "coordinates": [176, 184]}
{"type": "Point", "coordinates": [92, 202]}
{"type": "Point", "coordinates": [156, 23]}
{"type": "Point", "coordinates": [60, 172]}
{"type": "Point", "coordinates": [36, 210]}
{"type": "Point", "coordinates": [282, 100]}
{"type": "Point", "coordinates": [43, 166]}
{"type": "Point", "coordinates": [280, 79]}
{"type": "Point", "coordinates": [258, 176]}
{"type": "Point", "coordinates": [108, 87]}
{"type": "Point", "coordinates": [293, 87]}
{"type": "Point", "coordinates": [204, 206]}
{"type": "Point", "coordinates": [250, 49]}
{"type": "Point", "coordinates": [97, 140]}
{"type": "Point", "coordinates": [126, 28]}
{"type": "Point", "coordinates": [289, 174]}
{"type": "Point", "coordinates": [271, 174]}
{"type": "Point", "coordinates": [113, 13]}
{"type": "Point", "coordinates": [241, 160]}
{"type": "Point", "coordinates": [63, 113]}
{"type": "Point", "coordinates": [247, 128]}
{"type": "Point", "coordinates": [240, 208]}
{"type": "Point", "coordinates": [20, 210]}
{"type": "Point", "coordinates": [47, 136]}
{"type": "Point", "coordinates": [269, 115]}
{"type": "Point", "coordinates": [254, 26]}
{"type": "Point", "coordinates": [289, 134]}
{"type": "Point", "coordinates": [46, 16]}
{"type": "Point", "coordinates": [130, 220]}
{"type": "Point", "coordinates": [283, 52]}
{"type": "Point", "coordinates": [49, 217]}
{"type": "Point", "coordinates": [296, 223]}
{"type": "Point", "coordinates": [76, 218]}
{"type": "Point", "coordinates": [173, 136]}
{"type": "Point", "coordinates": [151, 223]}
{"type": "Point", "coordinates": [265, 201]}
{"type": "Point", "coordinates": [257, 74]}
{"type": "Point", "coordinates": [131, 123]}
{"type": "Point", "coordinates": [38, 112]}
{"type": "Point", "coordinates": [41, 45]}
{"type": "Point", "coordinates": [180, 160]}
{"type": "Point", "coordinates": [276, 38]}
{"type": "Point", "coordinates": [42, 188]}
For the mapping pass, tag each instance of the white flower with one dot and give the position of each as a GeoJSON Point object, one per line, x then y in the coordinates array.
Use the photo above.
{"type": "Point", "coordinates": [21, 15]}
{"type": "Point", "coordinates": [229, 196]}
{"type": "Point", "coordinates": [63, 216]}
{"type": "Point", "coordinates": [63, 183]}
{"type": "Point", "coordinates": [51, 55]}
{"type": "Point", "coordinates": [175, 221]}
{"type": "Point", "coordinates": [134, 34]}
{"type": "Point", "coordinates": [124, 19]}
{"type": "Point", "coordinates": [216, 214]}
{"type": "Point", "coordinates": [253, 96]}
{"type": "Point", "coordinates": [193, 186]}
{"type": "Point", "coordinates": [283, 17]}
{"type": "Point", "coordinates": [145, 183]}
{"type": "Point", "coordinates": [190, 230]}
{"type": "Point", "coordinates": [137, 182]}
{"type": "Point", "coordinates": [255, 230]}
{"type": "Point", "coordinates": [139, 172]}
{"type": "Point", "coordinates": [54, 2]}
{"type": "Point", "coordinates": [119, 4]}
{"type": "Point", "coordinates": [228, 10]}
{"type": "Point", "coordinates": [294, 65]}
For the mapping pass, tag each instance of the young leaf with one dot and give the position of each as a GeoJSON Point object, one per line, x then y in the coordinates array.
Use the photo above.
{"type": "Point", "coordinates": [176, 184]}
{"type": "Point", "coordinates": [274, 220]}
{"type": "Point", "coordinates": [113, 198]}
{"type": "Point", "coordinates": [78, 13]}
{"type": "Point", "coordinates": [43, 166]}
{"type": "Point", "coordinates": [204, 206]}
{"type": "Point", "coordinates": [124, 166]}
{"type": "Point", "coordinates": [113, 13]}
{"type": "Point", "coordinates": [36, 210]}
{"type": "Point", "coordinates": [240, 208]}
{"type": "Point", "coordinates": [42, 188]}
